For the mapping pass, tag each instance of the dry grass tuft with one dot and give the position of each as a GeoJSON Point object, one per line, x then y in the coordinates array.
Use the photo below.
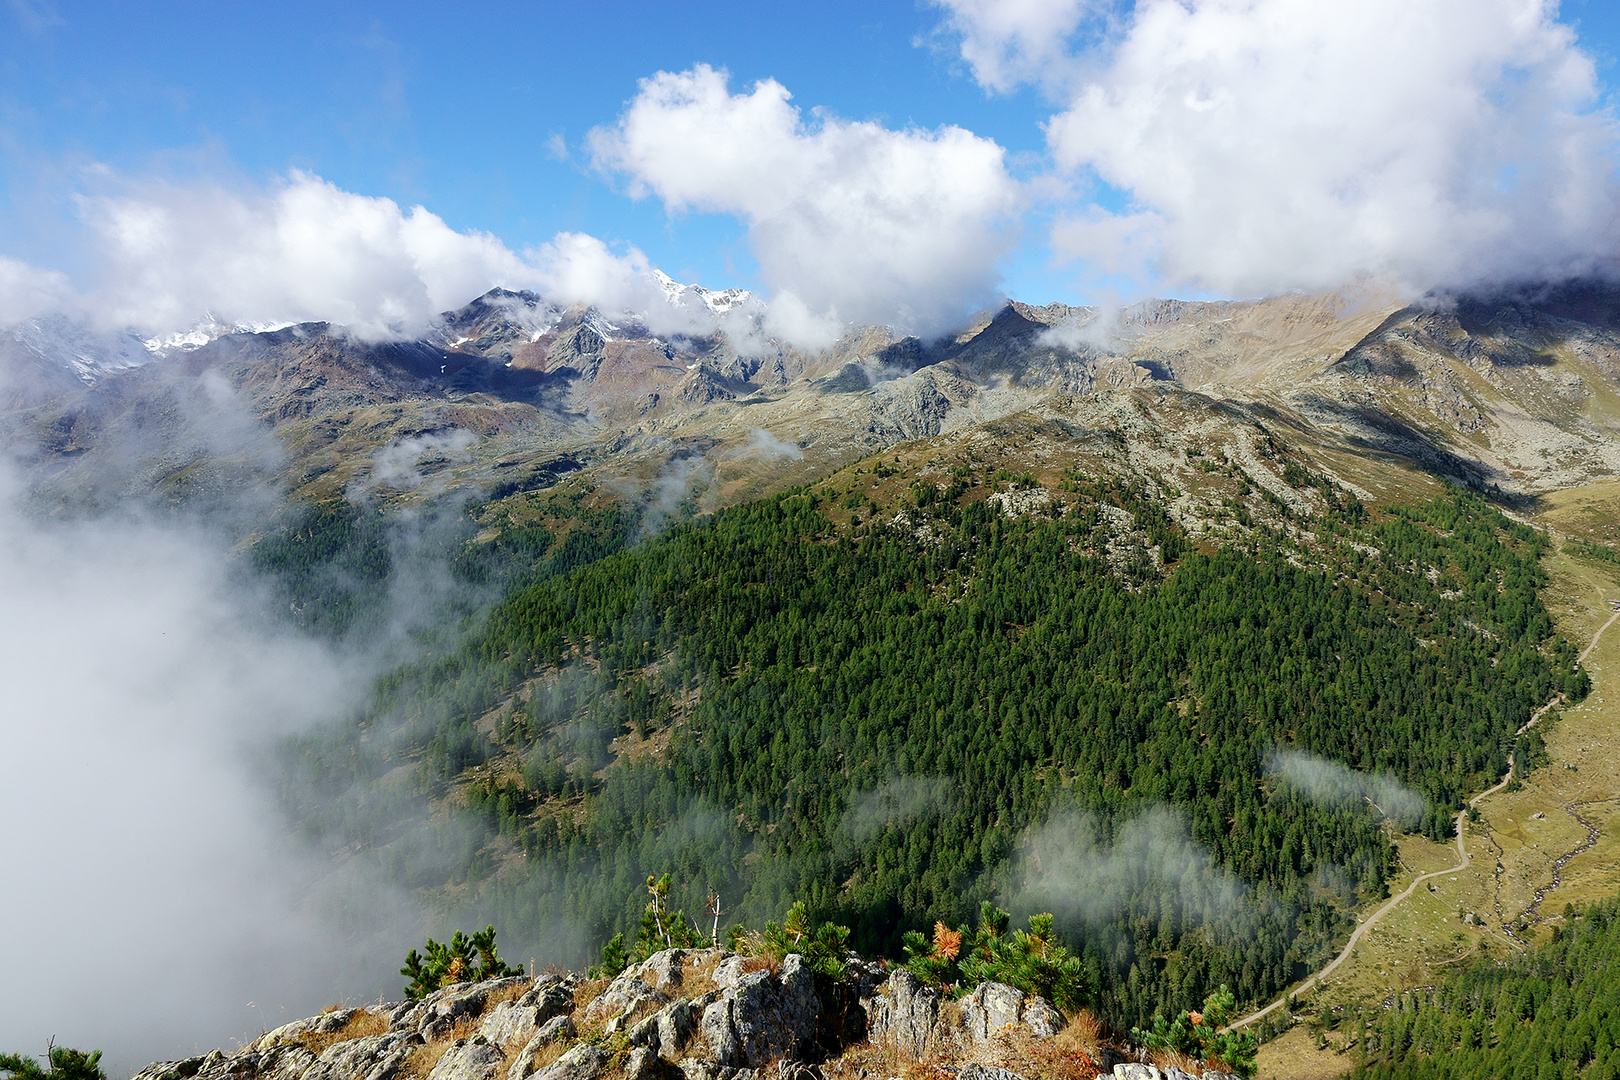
{"type": "Point", "coordinates": [360, 1025]}
{"type": "Point", "coordinates": [506, 993]}
{"type": "Point", "coordinates": [424, 1057]}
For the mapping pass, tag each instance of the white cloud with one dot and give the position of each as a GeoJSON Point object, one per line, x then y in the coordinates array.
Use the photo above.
{"type": "Point", "coordinates": [1007, 42]}
{"type": "Point", "coordinates": [165, 258]}
{"type": "Point", "coordinates": [1266, 145]}
{"type": "Point", "coordinates": [851, 222]}
{"type": "Point", "coordinates": [26, 291]}
{"type": "Point", "coordinates": [305, 250]}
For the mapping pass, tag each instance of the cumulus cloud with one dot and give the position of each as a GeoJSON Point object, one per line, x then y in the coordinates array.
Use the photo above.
{"type": "Point", "coordinates": [1331, 784]}
{"type": "Point", "coordinates": [398, 465]}
{"type": "Point", "coordinates": [1097, 329]}
{"type": "Point", "coordinates": [303, 250]}
{"type": "Point", "coordinates": [166, 258]}
{"type": "Point", "coordinates": [1267, 145]}
{"type": "Point", "coordinates": [1008, 42]}
{"type": "Point", "coordinates": [851, 222]}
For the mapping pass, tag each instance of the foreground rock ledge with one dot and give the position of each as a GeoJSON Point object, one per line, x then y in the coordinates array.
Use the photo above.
{"type": "Point", "coordinates": [683, 1014]}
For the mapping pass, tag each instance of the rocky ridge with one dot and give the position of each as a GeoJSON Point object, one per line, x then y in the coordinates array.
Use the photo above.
{"type": "Point", "coordinates": [682, 1014]}
{"type": "Point", "coordinates": [1516, 392]}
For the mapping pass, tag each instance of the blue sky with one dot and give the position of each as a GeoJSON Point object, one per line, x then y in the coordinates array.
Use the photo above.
{"type": "Point", "coordinates": [461, 108]}
{"type": "Point", "coordinates": [450, 106]}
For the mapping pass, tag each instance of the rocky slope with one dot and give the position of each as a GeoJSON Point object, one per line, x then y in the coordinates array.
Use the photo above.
{"type": "Point", "coordinates": [511, 392]}
{"type": "Point", "coordinates": [683, 1015]}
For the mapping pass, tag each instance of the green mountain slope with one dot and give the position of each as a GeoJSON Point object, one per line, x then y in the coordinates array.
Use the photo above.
{"type": "Point", "coordinates": [895, 723]}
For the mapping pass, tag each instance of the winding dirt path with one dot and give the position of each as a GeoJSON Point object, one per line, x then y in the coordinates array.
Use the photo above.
{"type": "Point", "coordinates": [1462, 864]}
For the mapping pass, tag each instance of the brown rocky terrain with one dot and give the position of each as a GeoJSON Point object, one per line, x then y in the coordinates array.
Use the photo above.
{"type": "Point", "coordinates": [1517, 394]}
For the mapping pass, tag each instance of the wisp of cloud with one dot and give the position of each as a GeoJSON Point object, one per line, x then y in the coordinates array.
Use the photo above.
{"type": "Point", "coordinates": [1332, 784]}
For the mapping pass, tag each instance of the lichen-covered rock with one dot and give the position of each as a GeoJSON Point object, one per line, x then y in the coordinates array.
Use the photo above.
{"type": "Point", "coordinates": [729, 972]}
{"type": "Point", "coordinates": [299, 1030]}
{"type": "Point", "coordinates": [764, 1016]}
{"type": "Point", "coordinates": [557, 1029]}
{"type": "Point", "coordinates": [551, 994]}
{"type": "Point", "coordinates": [373, 1057]}
{"type": "Point", "coordinates": [583, 1062]}
{"type": "Point", "coordinates": [469, 1059]}
{"type": "Point", "coordinates": [623, 996]}
{"type": "Point", "coordinates": [667, 1032]}
{"type": "Point", "coordinates": [508, 1023]}
{"type": "Point", "coordinates": [442, 1010]}
{"type": "Point", "coordinates": [904, 1013]}
{"type": "Point", "coordinates": [661, 970]}
{"type": "Point", "coordinates": [693, 1069]}
{"type": "Point", "coordinates": [994, 1007]}
{"type": "Point", "coordinates": [641, 1064]}
{"type": "Point", "coordinates": [1131, 1070]}
{"type": "Point", "coordinates": [971, 1071]}
{"type": "Point", "coordinates": [991, 1007]}
{"type": "Point", "coordinates": [1042, 1020]}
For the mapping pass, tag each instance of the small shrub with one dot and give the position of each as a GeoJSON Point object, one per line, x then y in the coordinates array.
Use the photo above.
{"type": "Point", "coordinates": [822, 949]}
{"type": "Point", "coordinates": [461, 959]}
{"type": "Point", "coordinates": [1031, 960]}
{"type": "Point", "coordinates": [65, 1064]}
{"type": "Point", "coordinates": [1198, 1035]}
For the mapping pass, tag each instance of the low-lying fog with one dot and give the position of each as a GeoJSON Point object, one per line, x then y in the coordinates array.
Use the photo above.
{"type": "Point", "coordinates": [155, 907]}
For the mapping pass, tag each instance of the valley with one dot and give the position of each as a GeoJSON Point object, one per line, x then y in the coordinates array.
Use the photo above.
{"type": "Point", "coordinates": [1140, 617]}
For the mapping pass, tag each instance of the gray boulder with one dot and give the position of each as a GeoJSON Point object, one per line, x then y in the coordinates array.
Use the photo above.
{"type": "Point", "coordinates": [994, 1007]}
{"type": "Point", "coordinates": [729, 972]}
{"type": "Point", "coordinates": [971, 1071]}
{"type": "Point", "coordinates": [510, 1023]}
{"type": "Point", "coordinates": [557, 1029]}
{"type": "Point", "coordinates": [764, 1017]}
{"type": "Point", "coordinates": [661, 970]}
{"type": "Point", "coordinates": [624, 995]}
{"type": "Point", "coordinates": [904, 1013]}
{"type": "Point", "coordinates": [693, 1069]}
{"type": "Point", "coordinates": [468, 1059]}
{"type": "Point", "coordinates": [1131, 1070]}
{"type": "Point", "coordinates": [641, 1064]}
{"type": "Point", "coordinates": [990, 1008]}
{"type": "Point", "coordinates": [375, 1057]}
{"type": "Point", "coordinates": [667, 1032]}
{"type": "Point", "coordinates": [583, 1062]}
{"type": "Point", "coordinates": [299, 1030]}
{"type": "Point", "coordinates": [442, 1010]}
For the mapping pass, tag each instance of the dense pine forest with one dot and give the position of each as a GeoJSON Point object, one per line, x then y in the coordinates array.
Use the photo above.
{"type": "Point", "coordinates": [896, 723]}
{"type": "Point", "coordinates": [1551, 1014]}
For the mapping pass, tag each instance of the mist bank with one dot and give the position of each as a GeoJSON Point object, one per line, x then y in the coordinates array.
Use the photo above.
{"type": "Point", "coordinates": [162, 907]}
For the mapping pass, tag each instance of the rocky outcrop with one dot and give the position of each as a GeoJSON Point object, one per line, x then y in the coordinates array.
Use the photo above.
{"type": "Point", "coordinates": [682, 1014]}
{"type": "Point", "coordinates": [904, 1014]}
{"type": "Point", "coordinates": [764, 1016]}
{"type": "Point", "coordinates": [1134, 1071]}
{"type": "Point", "coordinates": [995, 1007]}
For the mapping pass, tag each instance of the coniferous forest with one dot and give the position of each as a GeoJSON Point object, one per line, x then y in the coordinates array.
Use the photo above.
{"type": "Point", "coordinates": [895, 724]}
{"type": "Point", "coordinates": [1552, 1013]}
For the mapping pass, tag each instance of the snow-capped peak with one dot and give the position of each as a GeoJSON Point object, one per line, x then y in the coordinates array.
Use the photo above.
{"type": "Point", "coordinates": [717, 302]}
{"type": "Point", "coordinates": [71, 343]}
{"type": "Point", "coordinates": [207, 329]}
